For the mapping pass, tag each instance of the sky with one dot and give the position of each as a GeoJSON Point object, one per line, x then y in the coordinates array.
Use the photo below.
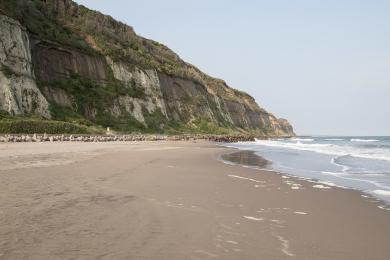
{"type": "Point", "coordinates": [323, 65]}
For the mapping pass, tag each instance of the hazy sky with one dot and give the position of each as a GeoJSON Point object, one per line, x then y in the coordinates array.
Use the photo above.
{"type": "Point", "coordinates": [323, 65]}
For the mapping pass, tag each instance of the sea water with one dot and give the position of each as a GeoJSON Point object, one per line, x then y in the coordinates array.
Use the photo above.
{"type": "Point", "coordinates": [361, 163]}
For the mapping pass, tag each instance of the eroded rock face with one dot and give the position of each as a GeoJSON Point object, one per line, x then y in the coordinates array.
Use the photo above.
{"type": "Point", "coordinates": [113, 52]}
{"type": "Point", "coordinates": [187, 100]}
{"type": "Point", "coordinates": [54, 62]}
{"type": "Point", "coordinates": [19, 93]}
{"type": "Point", "coordinates": [286, 127]}
{"type": "Point", "coordinates": [146, 79]}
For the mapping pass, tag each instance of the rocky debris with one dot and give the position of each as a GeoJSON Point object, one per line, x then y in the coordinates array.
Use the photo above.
{"type": "Point", "coordinates": [122, 138]}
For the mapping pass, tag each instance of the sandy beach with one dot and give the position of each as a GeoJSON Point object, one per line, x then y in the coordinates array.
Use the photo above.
{"type": "Point", "coordinates": [173, 200]}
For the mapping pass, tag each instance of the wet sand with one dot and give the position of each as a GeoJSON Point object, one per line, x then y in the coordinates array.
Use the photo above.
{"type": "Point", "coordinates": [173, 200]}
{"type": "Point", "coordinates": [248, 158]}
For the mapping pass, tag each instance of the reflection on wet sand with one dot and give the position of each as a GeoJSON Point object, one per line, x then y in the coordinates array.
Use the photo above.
{"type": "Point", "coordinates": [246, 158]}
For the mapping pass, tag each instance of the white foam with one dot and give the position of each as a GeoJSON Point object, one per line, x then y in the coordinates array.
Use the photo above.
{"type": "Point", "coordinates": [330, 149]}
{"type": "Point", "coordinates": [374, 174]}
{"type": "Point", "coordinates": [295, 188]}
{"type": "Point", "coordinates": [328, 183]}
{"type": "Point", "coordinates": [335, 173]}
{"type": "Point", "coordinates": [320, 186]}
{"type": "Point", "coordinates": [344, 176]}
{"type": "Point", "coordinates": [300, 213]}
{"type": "Point", "coordinates": [228, 163]}
{"type": "Point", "coordinates": [253, 218]}
{"type": "Point", "coordinates": [344, 168]}
{"type": "Point", "coordinates": [302, 139]}
{"type": "Point", "coordinates": [285, 246]}
{"type": "Point", "coordinates": [244, 178]}
{"type": "Point", "coordinates": [372, 182]}
{"type": "Point", "coordinates": [381, 192]}
{"type": "Point", "coordinates": [364, 140]}
{"type": "Point", "coordinates": [383, 207]}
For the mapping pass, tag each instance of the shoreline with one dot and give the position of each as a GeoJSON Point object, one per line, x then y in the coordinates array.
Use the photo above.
{"type": "Point", "coordinates": [249, 158]}
{"type": "Point", "coordinates": [173, 200]}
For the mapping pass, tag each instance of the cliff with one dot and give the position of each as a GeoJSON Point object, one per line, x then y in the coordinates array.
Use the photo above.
{"type": "Point", "coordinates": [65, 62]}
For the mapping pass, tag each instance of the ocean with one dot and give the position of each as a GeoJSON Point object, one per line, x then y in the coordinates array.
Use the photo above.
{"type": "Point", "coordinates": [361, 163]}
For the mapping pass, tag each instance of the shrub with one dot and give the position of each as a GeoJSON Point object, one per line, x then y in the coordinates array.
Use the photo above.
{"type": "Point", "coordinates": [39, 20]}
{"type": "Point", "coordinates": [31, 126]}
{"type": "Point", "coordinates": [156, 121]}
{"type": "Point", "coordinates": [64, 113]}
{"type": "Point", "coordinates": [125, 123]}
{"type": "Point", "coordinates": [4, 114]}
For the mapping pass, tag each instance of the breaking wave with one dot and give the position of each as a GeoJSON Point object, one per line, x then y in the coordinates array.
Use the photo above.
{"type": "Point", "coordinates": [332, 149]}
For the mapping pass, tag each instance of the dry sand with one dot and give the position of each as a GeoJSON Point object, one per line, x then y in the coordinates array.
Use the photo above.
{"type": "Point", "coordinates": [173, 200]}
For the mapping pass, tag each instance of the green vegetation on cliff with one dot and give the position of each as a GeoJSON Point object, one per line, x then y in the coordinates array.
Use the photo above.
{"type": "Point", "coordinates": [96, 72]}
{"type": "Point", "coordinates": [88, 93]}
{"type": "Point", "coordinates": [31, 126]}
{"type": "Point", "coordinates": [89, 97]}
{"type": "Point", "coordinates": [35, 16]}
{"type": "Point", "coordinates": [47, 21]}
{"type": "Point", "coordinates": [35, 124]}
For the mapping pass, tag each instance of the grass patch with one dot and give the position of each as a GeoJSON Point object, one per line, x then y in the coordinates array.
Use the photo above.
{"type": "Point", "coordinates": [66, 114]}
{"type": "Point", "coordinates": [41, 21]}
{"type": "Point", "coordinates": [156, 121]}
{"type": "Point", "coordinates": [126, 123]}
{"type": "Point", "coordinates": [4, 114]}
{"type": "Point", "coordinates": [207, 127]}
{"type": "Point", "coordinates": [35, 126]}
{"type": "Point", "coordinates": [199, 126]}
